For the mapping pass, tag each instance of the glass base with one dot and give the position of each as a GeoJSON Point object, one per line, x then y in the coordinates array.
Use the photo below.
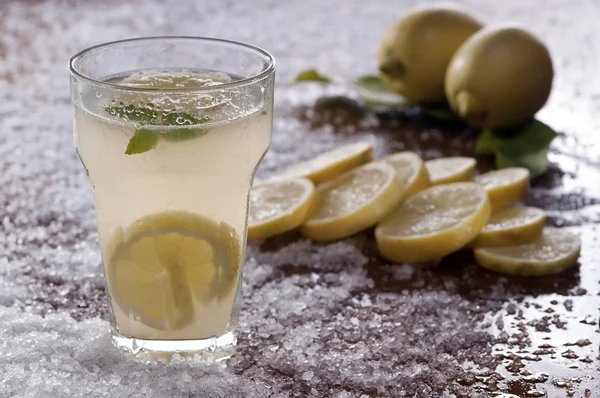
{"type": "Point", "coordinates": [211, 349]}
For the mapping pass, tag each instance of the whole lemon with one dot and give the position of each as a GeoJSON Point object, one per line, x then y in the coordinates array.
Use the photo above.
{"type": "Point", "coordinates": [416, 50]}
{"type": "Point", "coordinates": [500, 77]}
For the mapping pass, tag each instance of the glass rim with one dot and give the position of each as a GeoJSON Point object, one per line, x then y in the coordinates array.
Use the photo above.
{"type": "Point", "coordinates": [268, 70]}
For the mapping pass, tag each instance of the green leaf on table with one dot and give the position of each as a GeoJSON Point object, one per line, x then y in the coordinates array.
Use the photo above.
{"type": "Point", "coordinates": [142, 141]}
{"type": "Point", "coordinates": [527, 147]}
{"type": "Point", "coordinates": [312, 75]}
{"type": "Point", "coordinates": [372, 83]}
{"type": "Point", "coordinates": [376, 95]}
{"type": "Point", "coordinates": [440, 113]}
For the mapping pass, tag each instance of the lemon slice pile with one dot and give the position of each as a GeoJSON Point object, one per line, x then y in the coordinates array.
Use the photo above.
{"type": "Point", "coordinates": [452, 169]}
{"type": "Point", "coordinates": [411, 169]}
{"type": "Point", "coordinates": [354, 201]}
{"type": "Point", "coordinates": [331, 164]}
{"type": "Point", "coordinates": [168, 263]}
{"type": "Point", "coordinates": [423, 211]}
{"type": "Point", "coordinates": [555, 251]}
{"type": "Point", "coordinates": [433, 223]}
{"type": "Point", "coordinates": [505, 186]}
{"type": "Point", "coordinates": [278, 206]}
{"type": "Point", "coordinates": [511, 226]}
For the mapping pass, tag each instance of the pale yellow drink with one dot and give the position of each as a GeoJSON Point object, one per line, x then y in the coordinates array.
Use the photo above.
{"type": "Point", "coordinates": [169, 193]}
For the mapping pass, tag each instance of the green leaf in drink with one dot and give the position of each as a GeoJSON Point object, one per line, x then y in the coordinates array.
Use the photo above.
{"type": "Point", "coordinates": [183, 134]}
{"type": "Point", "coordinates": [527, 147]}
{"type": "Point", "coordinates": [142, 141]}
{"type": "Point", "coordinates": [145, 138]}
{"type": "Point", "coordinates": [181, 119]}
{"type": "Point", "coordinates": [130, 113]}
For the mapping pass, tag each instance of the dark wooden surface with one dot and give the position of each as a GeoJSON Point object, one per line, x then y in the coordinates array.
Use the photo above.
{"type": "Point", "coordinates": [317, 320]}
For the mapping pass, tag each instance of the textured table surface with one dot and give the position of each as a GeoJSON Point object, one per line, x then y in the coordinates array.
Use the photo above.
{"type": "Point", "coordinates": [327, 320]}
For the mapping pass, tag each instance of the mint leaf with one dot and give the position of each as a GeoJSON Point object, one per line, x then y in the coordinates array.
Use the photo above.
{"type": "Point", "coordinates": [376, 95]}
{"type": "Point", "coordinates": [177, 135]}
{"type": "Point", "coordinates": [181, 119]}
{"type": "Point", "coordinates": [183, 134]}
{"type": "Point", "coordinates": [142, 141]}
{"type": "Point", "coordinates": [131, 113]}
{"type": "Point", "coordinates": [527, 147]}
{"type": "Point", "coordinates": [312, 75]}
{"type": "Point", "coordinates": [146, 139]}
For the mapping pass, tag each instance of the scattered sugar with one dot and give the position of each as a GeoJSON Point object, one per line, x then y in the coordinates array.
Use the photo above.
{"type": "Point", "coordinates": [317, 320]}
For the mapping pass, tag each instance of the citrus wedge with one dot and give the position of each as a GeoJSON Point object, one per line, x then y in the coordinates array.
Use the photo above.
{"type": "Point", "coordinates": [331, 164]}
{"type": "Point", "coordinates": [166, 264]}
{"type": "Point", "coordinates": [433, 223]}
{"type": "Point", "coordinates": [278, 206]}
{"type": "Point", "coordinates": [452, 169]}
{"type": "Point", "coordinates": [354, 201]}
{"type": "Point", "coordinates": [505, 186]}
{"type": "Point", "coordinates": [555, 251]}
{"type": "Point", "coordinates": [511, 226]}
{"type": "Point", "coordinates": [411, 169]}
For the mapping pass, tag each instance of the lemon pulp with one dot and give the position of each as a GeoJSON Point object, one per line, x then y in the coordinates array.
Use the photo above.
{"type": "Point", "coordinates": [172, 275]}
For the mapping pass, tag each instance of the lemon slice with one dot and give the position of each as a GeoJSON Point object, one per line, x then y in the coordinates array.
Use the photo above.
{"type": "Point", "coordinates": [279, 206]}
{"type": "Point", "coordinates": [452, 169]}
{"type": "Point", "coordinates": [505, 186]}
{"type": "Point", "coordinates": [354, 201]}
{"type": "Point", "coordinates": [166, 264]}
{"type": "Point", "coordinates": [511, 226]}
{"type": "Point", "coordinates": [411, 169]}
{"type": "Point", "coordinates": [331, 164]}
{"type": "Point", "coordinates": [433, 223]}
{"type": "Point", "coordinates": [555, 251]}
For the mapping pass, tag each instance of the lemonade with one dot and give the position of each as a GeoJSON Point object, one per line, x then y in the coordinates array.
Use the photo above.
{"type": "Point", "coordinates": [171, 154]}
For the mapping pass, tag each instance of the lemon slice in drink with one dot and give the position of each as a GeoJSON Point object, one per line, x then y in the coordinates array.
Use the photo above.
{"type": "Point", "coordinates": [555, 251]}
{"type": "Point", "coordinates": [278, 206]}
{"type": "Point", "coordinates": [505, 186]}
{"type": "Point", "coordinates": [511, 226]}
{"type": "Point", "coordinates": [354, 201]}
{"type": "Point", "coordinates": [433, 223]}
{"type": "Point", "coordinates": [331, 164]}
{"type": "Point", "coordinates": [166, 264]}
{"type": "Point", "coordinates": [411, 169]}
{"type": "Point", "coordinates": [452, 169]}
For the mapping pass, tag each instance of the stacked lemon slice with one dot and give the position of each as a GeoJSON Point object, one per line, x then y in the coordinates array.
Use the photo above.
{"type": "Point", "coordinates": [423, 211]}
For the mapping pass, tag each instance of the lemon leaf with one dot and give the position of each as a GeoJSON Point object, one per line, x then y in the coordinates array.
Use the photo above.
{"type": "Point", "coordinates": [527, 147]}
{"type": "Point", "coordinates": [376, 95]}
{"type": "Point", "coordinates": [536, 162]}
{"type": "Point", "coordinates": [311, 75]}
{"type": "Point", "coordinates": [142, 141]}
{"type": "Point", "coordinates": [443, 113]}
{"type": "Point", "coordinates": [372, 83]}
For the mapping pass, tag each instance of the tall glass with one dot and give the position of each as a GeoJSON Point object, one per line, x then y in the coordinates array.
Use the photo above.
{"type": "Point", "coordinates": [171, 131]}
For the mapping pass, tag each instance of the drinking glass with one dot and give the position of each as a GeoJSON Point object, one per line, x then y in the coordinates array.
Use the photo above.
{"type": "Point", "coordinates": [171, 131]}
